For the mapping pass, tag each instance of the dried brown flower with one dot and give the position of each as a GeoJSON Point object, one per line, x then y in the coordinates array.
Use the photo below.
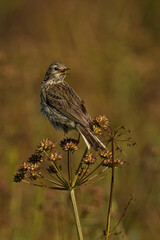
{"type": "Point", "coordinates": [19, 176]}
{"type": "Point", "coordinates": [28, 166]}
{"type": "Point", "coordinates": [101, 121]}
{"type": "Point", "coordinates": [108, 162]}
{"type": "Point", "coordinates": [45, 145]}
{"type": "Point", "coordinates": [97, 130]}
{"type": "Point", "coordinates": [105, 154]}
{"type": "Point", "coordinates": [69, 144]}
{"type": "Point", "coordinates": [90, 158]}
{"type": "Point", "coordinates": [35, 158]}
{"type": "Point", "coordinates": [55, 156]}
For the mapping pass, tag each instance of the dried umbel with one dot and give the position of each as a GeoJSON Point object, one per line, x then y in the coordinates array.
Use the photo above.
{"type": "Point", "coordinates": [36, 167]}
{"type": "Point", "coordinates": [109, 163]}
{"type": "Point", "coordinates": [55, 156]}
{"type": "Point", "coordinates": [46, 163]}
{"type": "Point", "coordinates": [105, 154]}
{"type": "Point", "coordinates": [100, 124]}
{"type": "Point", "coordinates": [45, 145]}
{"type": "Point", "coordinates": [90, 158]}
{"type": "Point", "coordinates": [19, 176]}
{"type": "Point", "coordinates": [69, 144]}
{"type": "Point", "coordinates": [102, 121]}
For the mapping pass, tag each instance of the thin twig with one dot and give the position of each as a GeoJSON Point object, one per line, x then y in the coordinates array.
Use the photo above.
{"type": "Point", "coordinates": [111, 194]}
{"type": "Point", "coordinates": [80, 165]}
{"type": "Point", "coordinates": [82, 179]}
{"type": "Point", "coordinates": [39, 185]}
{"type": "Point", "coordinates": [57, 179]}
{"type": "Point", "coordinates": [51, 181]}
{"type": "Point", "coordinates": [59, 174]}
{"type": "Point", "coordinates": [125, 209]}
{"type": "Point", "coordinates": [89, 179]}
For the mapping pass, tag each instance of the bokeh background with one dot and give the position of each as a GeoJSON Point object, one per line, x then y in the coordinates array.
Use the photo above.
{"type": "Point", "coordinates": [113, 49]}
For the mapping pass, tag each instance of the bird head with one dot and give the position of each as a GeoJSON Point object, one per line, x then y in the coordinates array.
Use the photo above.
{"type": "Point", "coordinates": [56, 71]}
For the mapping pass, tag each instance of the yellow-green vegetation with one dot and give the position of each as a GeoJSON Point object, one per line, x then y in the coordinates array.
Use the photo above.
{"type": "Point", "coordinates": [113, 50]}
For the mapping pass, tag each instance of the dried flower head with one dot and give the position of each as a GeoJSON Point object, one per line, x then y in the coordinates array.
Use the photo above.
{"type": "Point", "coordinates": [97, 130]}
{"type": "Point", "coordinates": [101, 121]}
{"type": "Point", "coordinates": [34, 166]}
{"type": "Point", "coordinates": [23, 167]}
{"type": "Point", "coordinates": [35, 158]}
{"type": "Point", "coordinates": [105, 154]}
{"type": "Point", "coordinates": [19, 176]}
{"type": "Point", "coordinates": [55, 156]}
{"type": "Point", "coordinates": [69, 144]}
{"type": "Point", "coordinates": [28, 166]}
{"type": "Point", "coordinates": [108, 162]}
{"type": "Point", "coordinates": [90, 158]}
{"type": "Point", "coordinates": [46, 145]}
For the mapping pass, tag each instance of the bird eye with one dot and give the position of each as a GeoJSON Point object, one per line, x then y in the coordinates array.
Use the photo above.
{"type": "Point", "coordinates": [56, 68]}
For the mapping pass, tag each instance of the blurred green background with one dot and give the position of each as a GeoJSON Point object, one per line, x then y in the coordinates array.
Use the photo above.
{"type": "Point", "coordinates": [113, 49]}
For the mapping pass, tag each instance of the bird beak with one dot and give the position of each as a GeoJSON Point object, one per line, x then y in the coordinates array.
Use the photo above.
{"type": "Point", "coordinates": [63, 71]}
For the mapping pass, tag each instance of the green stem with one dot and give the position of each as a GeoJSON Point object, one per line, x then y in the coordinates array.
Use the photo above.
{"type": "Point", "coordinates": [76, 215]}
{"type": "Point", "coordinates": [107, 233]}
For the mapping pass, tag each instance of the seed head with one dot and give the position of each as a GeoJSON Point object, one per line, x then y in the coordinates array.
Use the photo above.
{"type": "Point", "coordinates": [35, 158]}
{"type": "Point", "coordinates": [105, 154]}
{"type": "Point", "coordinates": [23, 167]}
{"type": "Point", "coordinates": [90, 158]}
{"type": "Point", "coordinates": [46, 145]}
{"type": "Point", "coordinates": [108, 162]}
{"type": "Point", "coordinates": [33, 167]}
{"type": "Point", "coordinates": [97, 130]}
{"type": "Point", "coordinates": [69, 144]}
{"type": "Point", "coordinates": [55, 156]}
{"type": "Point", "coordinates": [101, 121]}
{"type": "Point", "coordinates": [19, 176]}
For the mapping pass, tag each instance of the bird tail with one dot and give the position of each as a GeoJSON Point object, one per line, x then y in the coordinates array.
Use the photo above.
{"type": "Point", "coordinates": [90, 138]}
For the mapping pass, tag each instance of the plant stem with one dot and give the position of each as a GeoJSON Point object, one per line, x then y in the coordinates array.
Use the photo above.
{"type": "Point", "coordinates": [80, 165]}
{"type": "Point", "coordinates": [59, 173]}
{"type": "Point", "coordinates": [111, 195]}
{"type": "Point", "coordinates": [76, 216]}
{"type": "Point", "coordinates": [84, 177]}
{"type": "Point", "coordinates": [69, 166]}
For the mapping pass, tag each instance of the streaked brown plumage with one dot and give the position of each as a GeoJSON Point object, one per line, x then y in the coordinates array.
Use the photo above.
{"type": "Point", "coordinates": [63, 107]}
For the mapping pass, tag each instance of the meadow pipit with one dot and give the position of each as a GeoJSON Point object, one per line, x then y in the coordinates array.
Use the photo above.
{"type": "Point", "coordinates": [63, 107]}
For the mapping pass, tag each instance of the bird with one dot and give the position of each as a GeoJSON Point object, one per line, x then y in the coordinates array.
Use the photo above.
{"type": "Point", "coordinates": [62, 106]}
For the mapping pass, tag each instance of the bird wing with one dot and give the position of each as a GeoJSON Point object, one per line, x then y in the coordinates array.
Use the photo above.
{"type": "Point", "coordinates": [62, 97]}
